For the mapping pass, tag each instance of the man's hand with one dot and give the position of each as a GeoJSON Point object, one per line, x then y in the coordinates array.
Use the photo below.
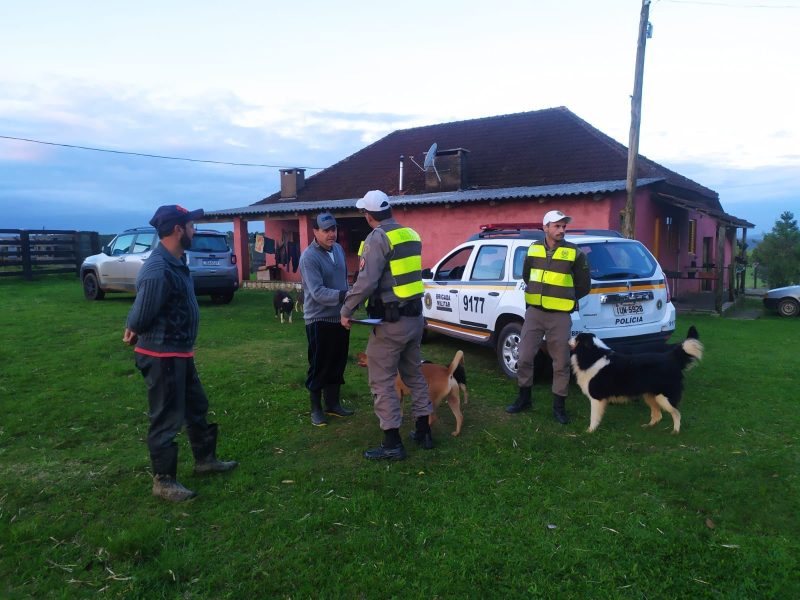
{"type": "Point", "coordinates": [130, 337]}
{"type": "Point", "coordinates": [346, 322]}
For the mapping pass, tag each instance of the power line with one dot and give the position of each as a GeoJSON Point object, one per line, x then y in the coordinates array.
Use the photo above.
{"type": "Point", "coordinates": [197, 160]}
{"type": "Point", "coordinates": [730, 5]}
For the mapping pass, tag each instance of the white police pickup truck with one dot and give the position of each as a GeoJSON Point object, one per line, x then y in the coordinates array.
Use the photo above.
{"type": "Point", "coordinates": [476, 292]}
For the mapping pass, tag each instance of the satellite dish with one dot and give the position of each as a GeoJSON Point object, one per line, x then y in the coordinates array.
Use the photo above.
{"type": "Point", "coordinates": [430, 161]}
{"type": "Point", "coordinates": [430, 157]}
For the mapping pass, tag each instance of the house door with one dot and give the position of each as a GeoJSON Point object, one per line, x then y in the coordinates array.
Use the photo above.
{"type": "Point", "coordinates": [708, 262]}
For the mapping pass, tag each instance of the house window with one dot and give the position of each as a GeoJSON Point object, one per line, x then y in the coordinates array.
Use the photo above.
{"type": "Point", "coordinates": [692, 236]}
{"type": "Point", "coordinates": [672, 237]}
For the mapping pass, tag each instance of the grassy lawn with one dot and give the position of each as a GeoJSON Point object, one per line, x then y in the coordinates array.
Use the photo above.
{"type": "Point", "coordinates": [517, 506]}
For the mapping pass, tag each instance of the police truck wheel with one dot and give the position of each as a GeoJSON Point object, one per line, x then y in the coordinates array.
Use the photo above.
{"type": "Point", "coordinates": [508, 349]}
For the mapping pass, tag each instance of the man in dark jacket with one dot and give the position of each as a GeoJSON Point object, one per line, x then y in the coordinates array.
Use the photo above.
{"type": "Point", "coordinates": [162, 324]}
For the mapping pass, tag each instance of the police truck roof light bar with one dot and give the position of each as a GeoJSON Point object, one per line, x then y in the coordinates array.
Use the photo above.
{"type": "Point", "coordinates": [510, 226]}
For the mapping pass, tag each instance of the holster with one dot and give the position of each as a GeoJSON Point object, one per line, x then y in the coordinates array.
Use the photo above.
{"type": "Point", "coordinates": [391, 312]}
{"type": "Point", "coordinates": [375, 308]}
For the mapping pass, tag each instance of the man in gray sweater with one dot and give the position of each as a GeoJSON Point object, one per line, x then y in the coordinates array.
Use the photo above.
{"type": "Point", "coordinates": [163, 324]}
{"type": "Point", "coordinates": [324, 275]}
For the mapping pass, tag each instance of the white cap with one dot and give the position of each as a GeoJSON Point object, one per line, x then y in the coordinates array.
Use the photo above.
{"type": "Point", "coordinates": [553, 216]}
{"type": "Point", "coordinates": [374, 201]}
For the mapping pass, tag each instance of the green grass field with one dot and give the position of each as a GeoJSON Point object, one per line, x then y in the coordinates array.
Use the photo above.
{"type": "Point", "coordinates": [517, 506]}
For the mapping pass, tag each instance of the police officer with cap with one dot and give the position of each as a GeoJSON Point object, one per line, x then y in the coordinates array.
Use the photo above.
{"type": "Point", "coordinates": [556, 276]}
{"type": "Point", "coordinates": [390, 281]}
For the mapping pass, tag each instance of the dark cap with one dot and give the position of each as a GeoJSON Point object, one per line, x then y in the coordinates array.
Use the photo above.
{"type": "Point", "coordinates": [324, 221]}
{"type": "Point", "coordinates": [168, 216]}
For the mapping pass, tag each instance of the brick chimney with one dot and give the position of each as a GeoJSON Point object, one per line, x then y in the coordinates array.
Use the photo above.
{"type": "Point", "coordinates": [452, 168]}
{"type": "Point", "coordinates": [292, 181]}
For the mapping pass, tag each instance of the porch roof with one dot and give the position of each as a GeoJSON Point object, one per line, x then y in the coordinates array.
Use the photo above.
{"type": "Point", "coordinates": [257, 211]}
{"type": "Point", "coordinates": [720, 216]}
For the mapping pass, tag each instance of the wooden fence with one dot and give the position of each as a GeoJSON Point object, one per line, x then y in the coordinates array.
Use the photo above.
{"type": "Point", "coordinates": [45, 251]}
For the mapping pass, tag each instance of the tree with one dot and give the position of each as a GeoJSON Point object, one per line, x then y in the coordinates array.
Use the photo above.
{"type": "Point", "coordinates": [778, 254]}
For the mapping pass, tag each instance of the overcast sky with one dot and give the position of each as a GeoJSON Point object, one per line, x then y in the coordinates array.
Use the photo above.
{"type": "Point", "coordinates": [308, 83]}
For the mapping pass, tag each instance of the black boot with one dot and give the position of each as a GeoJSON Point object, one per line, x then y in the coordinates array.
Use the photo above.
{"type": "Point", "coordinates": [390, 449]}
{"type": "Point", "coordinates": [317, 416]}
{"type": "Point", "coordinates": [165, 485]}
{"type": "Point", "coordinates": [204, 448]}
{"type": "Point", "coordinates": [333, 406]}
{"type": "Point", "coordinates": [523, 401]}
{"type": "Point", "coordinates": [422, 433]}
{"type": "Point", "coordinates": [559, 410]}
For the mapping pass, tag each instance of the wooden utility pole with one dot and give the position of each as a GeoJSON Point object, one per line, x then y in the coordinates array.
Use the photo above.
{"type": "Point", "coordinates": [629, 223]}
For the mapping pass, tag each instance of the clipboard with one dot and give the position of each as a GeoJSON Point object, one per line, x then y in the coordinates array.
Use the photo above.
{"type": "Point", "coordinates": [371, 322]}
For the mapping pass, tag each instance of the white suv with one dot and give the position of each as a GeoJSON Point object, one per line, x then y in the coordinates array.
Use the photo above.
{"type": "Point", "coordinates": [476, 292]}
{"type": "Point", "coordinates": [210, 260]}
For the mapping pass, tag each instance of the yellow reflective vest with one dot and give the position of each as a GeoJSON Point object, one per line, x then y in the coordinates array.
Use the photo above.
{"type": "Point", "coordinates": [406, 262]}
{"type": "Point", "coordinates": [550, 284]}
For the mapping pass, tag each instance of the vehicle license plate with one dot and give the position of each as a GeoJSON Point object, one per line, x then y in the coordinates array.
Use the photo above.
{"type": "Point", "coordinates": [628, 308]}
{"type": "Point", "coordinates": [211, 263]}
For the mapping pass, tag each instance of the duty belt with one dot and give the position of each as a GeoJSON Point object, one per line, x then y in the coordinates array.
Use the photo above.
{"type": "Point", "coordinates": [412, 308]}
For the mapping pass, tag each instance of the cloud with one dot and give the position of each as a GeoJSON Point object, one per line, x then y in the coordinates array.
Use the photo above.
{"type": "Point", "coordinates": [80, 189]}
{"type": "Point", "coordinates": [758, 195]}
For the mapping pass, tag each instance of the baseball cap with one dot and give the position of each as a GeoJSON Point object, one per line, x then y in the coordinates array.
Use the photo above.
{"type": "Point", "coordinates": [169, 215]}
{"type": "Point", "coordinates": [553, 216]}
{"type": "Point", "coordinates": [374, 201]}
{"type": "Point", "coordinates": [325, 221]}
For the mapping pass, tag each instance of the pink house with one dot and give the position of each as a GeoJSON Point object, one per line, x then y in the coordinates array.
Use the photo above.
{"type": "Point", "coordinates": [504, 169]}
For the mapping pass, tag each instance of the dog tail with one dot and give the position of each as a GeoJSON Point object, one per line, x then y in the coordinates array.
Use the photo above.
{"type": "Point", "coordinates": [691, 350]}
{"type": "Point", "coordinates": [692, 333]}
{"type": "Point", "coordinates": [457, 360]}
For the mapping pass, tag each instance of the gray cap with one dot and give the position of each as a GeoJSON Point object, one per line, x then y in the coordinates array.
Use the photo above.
{"type": "Point", "coordinates": [324, 221]}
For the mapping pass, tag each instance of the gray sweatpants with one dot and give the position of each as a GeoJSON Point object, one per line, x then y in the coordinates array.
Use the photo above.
{"type": "Point", "coordinates": [554, 328]}
{"type": "Point", "coordinates": [393, 348]}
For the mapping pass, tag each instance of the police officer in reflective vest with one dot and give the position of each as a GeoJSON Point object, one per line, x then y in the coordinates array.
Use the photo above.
{"type": "Point", "coordinates": [556, 276]}
{"type": "Point", "coordinates": [390, 282]}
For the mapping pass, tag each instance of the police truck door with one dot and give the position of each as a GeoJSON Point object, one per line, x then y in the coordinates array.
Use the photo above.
{"type": "Point", "coordinates": [484, 287]}
{"type": "Point", "coordinates": [441, 293]}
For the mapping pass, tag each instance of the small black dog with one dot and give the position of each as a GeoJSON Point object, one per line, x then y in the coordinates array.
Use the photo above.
{"type": "Point", "coordinates": [284, 305]}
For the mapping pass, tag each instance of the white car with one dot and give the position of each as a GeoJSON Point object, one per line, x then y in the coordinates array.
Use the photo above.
{"type": "Point", "coordinates": [211, 262]}
{"type": "Point", "coordinates": [476, 292]}
{"type": "Point", "coordinates": [785, 300]}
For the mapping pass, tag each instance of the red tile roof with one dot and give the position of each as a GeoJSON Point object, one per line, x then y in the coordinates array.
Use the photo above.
{"type": "Point", "coordinates": [545, 147]}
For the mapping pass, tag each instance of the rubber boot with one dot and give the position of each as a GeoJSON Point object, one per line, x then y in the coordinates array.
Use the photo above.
{"type": "Point", "coordinates": [333, 405]}
{"type": "Point", "coordinates": [523, 401]}
{"type": "Point", "coordinates": [165, 466]}
{"type": "Point", "coordinates": [422, 433]}
{"type": "Point", "coordinates": [390, 449]}
{"type": "Point", "coordinates": [317, 416]}
{"type": "Point", "coordinates": [559, 410]}
{"type": "Point", "coordinates": [204, 448]}
{"type": "Point", "coordinates": [168, 488]}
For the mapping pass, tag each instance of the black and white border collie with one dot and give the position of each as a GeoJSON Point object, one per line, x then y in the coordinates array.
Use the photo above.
{"type": "Point", "coordinates": [283, 303]}
{"type": "Point", "coordinates": [606, 376]}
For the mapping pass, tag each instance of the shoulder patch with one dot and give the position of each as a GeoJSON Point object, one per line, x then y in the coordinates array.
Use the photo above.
{"type": "Point", "coordinates": [362, 263]}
